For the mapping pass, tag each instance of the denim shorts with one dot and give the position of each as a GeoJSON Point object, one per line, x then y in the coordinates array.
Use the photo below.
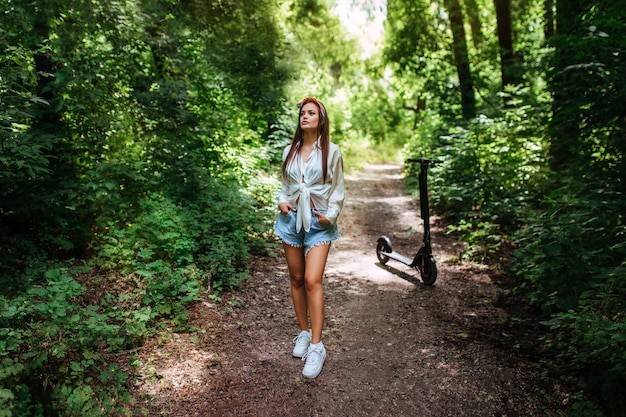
{"type": "Point", "coordinates": [318, 234]}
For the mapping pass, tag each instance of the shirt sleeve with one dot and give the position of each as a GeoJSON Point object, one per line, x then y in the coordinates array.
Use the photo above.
{"type": "Point", "coordinates": [337, 190]}
{"type": "Point", "coordinates": [283, 195]}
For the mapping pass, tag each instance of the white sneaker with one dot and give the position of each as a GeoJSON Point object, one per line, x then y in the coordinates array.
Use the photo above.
{"type": "Point", "coordinates": [302, 341]}
{"type": "Point", "coordinates": [315, 357]}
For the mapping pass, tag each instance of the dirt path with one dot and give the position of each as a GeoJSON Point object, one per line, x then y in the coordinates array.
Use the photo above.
{"type": "Point", "coordinates": [396, 347]}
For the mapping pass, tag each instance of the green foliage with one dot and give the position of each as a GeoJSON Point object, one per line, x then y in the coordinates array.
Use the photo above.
{"type": "Point", "coordinates": [572, 252]}
{"type": "Point", "coordinates": [573, 256]}
{"type": "Point", "coordinates": [491, 170]}
{"type": "Point", "coordinates": [60, 331]}
{"type": "Point", "coordinates": [566, 226]}
{"type": "Point", "coordinates": [129, 139]}
{"type": "Point", "coordinates": [413, 28]}
{"type": "Point", "coordinates": [145, 138]}
{"type": "Point", "coordinates": [244, 43]}
{"type": "Point", "coordinates": [23, 156]}
{"type": "Point", "coordinates": [570, 243]}
{"type": "Point", "coordinates": [324, 60]}
{"type": "Point", "coordinates": [210, 231]}
{"type": "Point", "coordinates": [25, 159]}
{"type": "Point", "coordinates": [47, 332]}
{"type": "Point", "coordinates": [585, 77]}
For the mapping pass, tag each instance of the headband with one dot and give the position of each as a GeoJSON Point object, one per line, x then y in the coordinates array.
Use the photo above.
{"type": "Point", "coordinates": [313, 100]}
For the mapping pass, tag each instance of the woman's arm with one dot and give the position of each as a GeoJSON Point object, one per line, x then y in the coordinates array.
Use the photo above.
{"type": "Point", "coordinates": [283, 196]}
{"type": "Point", "coordinates": [337, 190]}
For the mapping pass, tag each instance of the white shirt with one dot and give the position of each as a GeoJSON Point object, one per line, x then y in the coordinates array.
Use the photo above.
{"type": "Point", "coordinates": [304, 180]}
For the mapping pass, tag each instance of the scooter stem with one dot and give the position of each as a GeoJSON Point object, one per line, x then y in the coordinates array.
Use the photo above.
{"type": "Point", "coordinates": [424, 208]}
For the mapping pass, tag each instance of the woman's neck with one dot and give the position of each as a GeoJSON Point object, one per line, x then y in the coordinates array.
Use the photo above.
{"type": "Point", "coordinates": [309, 138]}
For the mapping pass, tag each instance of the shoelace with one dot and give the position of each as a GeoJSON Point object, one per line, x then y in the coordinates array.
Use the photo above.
{"type": "Point", "coordinates": [298, 337]}
{"type": "Point", "coordinates": [311, 351]}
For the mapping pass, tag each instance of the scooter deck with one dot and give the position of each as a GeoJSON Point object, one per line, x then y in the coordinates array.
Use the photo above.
{"type": "Point", "coordinates": [398, 257]}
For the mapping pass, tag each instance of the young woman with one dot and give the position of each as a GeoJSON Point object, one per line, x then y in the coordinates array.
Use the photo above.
{"type": "Point", "coordinates": [310, 201]}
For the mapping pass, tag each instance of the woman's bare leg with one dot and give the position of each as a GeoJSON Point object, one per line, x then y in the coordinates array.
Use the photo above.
{"type": "Point", "coordinates": [296, 265]}
{"type": "Point", "coordinates": [313, 274]}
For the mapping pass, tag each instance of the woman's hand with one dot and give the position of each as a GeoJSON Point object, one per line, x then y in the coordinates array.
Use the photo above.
{"type": "Point", "coordinates": [285, 208]}
{"type": "Point", "coordinates": [321, 218]}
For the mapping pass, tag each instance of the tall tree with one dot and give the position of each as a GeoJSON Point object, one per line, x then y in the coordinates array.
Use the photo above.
{"type": "Point", "coordinates": [509, 61]}
{"type": "Point", "coordinates": [473, 13]}
{"type": "Point", "coordinates": [564, 124]}
{"type": "Point", "coordinates": [548, 18]}
{"type": "Point", "coordinates": [461, 58]}
{"type": "Point", "coordinates": [587, 72]}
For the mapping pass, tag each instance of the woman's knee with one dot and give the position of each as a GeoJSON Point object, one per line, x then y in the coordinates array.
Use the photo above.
{"type": "Point", "coordinates": [297, 281]}
{"type": "Point", "coordinates": [313, 283]}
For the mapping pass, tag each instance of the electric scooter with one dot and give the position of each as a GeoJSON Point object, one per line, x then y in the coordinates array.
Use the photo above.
{"type": "Point", "coordinates": [423, 261]}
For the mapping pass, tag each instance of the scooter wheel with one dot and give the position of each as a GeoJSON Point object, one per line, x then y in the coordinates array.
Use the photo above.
{"type": "Point", "coordinates": [429, 271]}
{"type": "Point", "coordinates": [381, 247]}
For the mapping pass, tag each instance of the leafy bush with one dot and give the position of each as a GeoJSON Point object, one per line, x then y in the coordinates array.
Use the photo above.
{"type": "Point", "coordinates": [491, 170]}
{"type": "Point", "coordinates": [30, 217]}
{"type": "Point", "coordinates": [55, 339]}
{"type": "Point", "coordinates": [569, 243]}
{"type": "Point", "coordinates": [573, 258]}
{"type": "Point", "coordinates": [49, 341]}
{"type": "Point", "coordinates": [129, 141]}
{"type": "Point", "coordinates": [566, 228]}
{"type": "Point", "coordinates": [211, 230]}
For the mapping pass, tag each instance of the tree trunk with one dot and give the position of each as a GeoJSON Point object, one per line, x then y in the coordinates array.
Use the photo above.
{"type": "Point", "coordinates": [548, 29]}
{"type": "Point", "coordinates": [509, 62]}
{"type": "Point", "coordinates": [566, 13]}
{"type": "Point", "coordinates": [471, 8]}
{"type": "Point", "coordinates": [564, 124]}
{"type": "Point", "coordinates": [461, 58]}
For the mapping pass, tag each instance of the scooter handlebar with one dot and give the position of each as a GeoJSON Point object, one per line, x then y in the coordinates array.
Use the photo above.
{"type": "Point", "coordinates": [430, 162]}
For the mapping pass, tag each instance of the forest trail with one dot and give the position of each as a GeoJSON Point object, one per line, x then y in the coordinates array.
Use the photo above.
{"type": "Point", "coordinates": [396, 347]}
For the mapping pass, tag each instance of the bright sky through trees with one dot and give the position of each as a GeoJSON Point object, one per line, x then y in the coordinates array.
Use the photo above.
{"type": "Point", "coordinates": [363, 19]}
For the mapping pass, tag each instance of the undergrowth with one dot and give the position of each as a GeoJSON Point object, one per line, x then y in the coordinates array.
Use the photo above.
{"type": "Point", "coordinates": [495, 188]}
{"type": "Point", "coordinates": [64, 329]}
{"type": "Point", "coordinates": [58, 340]}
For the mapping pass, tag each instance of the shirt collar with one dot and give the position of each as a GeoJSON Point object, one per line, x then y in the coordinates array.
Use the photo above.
{"type": "Point", "coordinates": [316, 144]}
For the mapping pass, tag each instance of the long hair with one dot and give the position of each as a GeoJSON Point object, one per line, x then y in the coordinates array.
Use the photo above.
{"type": "Point", "coordinates": [323, 133]}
